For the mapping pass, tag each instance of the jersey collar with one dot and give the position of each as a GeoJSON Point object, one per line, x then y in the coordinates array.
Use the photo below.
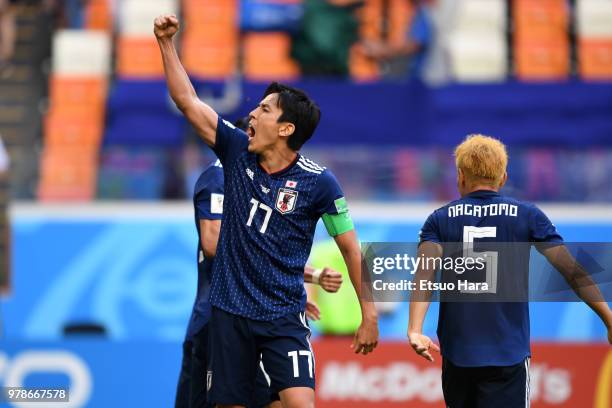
{"type": "Point", "coordinates": [483, 194]}
{"type": "Point", "coordinates": [282, 171]}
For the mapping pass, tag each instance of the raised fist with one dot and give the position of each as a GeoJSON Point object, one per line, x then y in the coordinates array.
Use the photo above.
{"type": "Point", "coordinates": [165, 26]}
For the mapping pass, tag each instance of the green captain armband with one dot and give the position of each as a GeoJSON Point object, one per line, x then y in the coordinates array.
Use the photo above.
{"type": "Point", "coordinates": [340, 223]}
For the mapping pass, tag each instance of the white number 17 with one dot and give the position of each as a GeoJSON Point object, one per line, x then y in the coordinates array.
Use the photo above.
{"type": "Point", "coordinates": [264, 207]}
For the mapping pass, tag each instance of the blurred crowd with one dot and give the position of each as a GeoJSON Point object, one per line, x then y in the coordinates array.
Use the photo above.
{"type": "Point", "coordinates": [71, 138]}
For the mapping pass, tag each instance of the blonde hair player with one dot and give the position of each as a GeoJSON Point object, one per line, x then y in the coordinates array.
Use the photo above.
{"type": "Point", "coordinates": [485, 345]}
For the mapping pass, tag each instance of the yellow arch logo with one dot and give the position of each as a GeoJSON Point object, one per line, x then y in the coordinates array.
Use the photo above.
{"type": "Point", "coordinates": [603, 393]}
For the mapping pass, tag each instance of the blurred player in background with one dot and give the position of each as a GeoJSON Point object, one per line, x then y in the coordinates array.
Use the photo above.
{"type": "Point", "coordinates": [485, 346]}
{"type": "Point", "coordinates": [273, 200]}
{"type": "Point", "coordinates": [208, 209]}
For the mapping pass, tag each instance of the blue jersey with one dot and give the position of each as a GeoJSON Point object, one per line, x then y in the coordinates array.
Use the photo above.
{"type": "Point", "coordinates": [267, 231]}
{"type": "Point", "coordinates": [476, 334]}
{"type": "Point", "coordinates": [208, 205]}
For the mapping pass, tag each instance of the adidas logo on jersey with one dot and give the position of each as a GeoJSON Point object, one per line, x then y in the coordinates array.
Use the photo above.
{"type": "Point", "coordinates": [250, 173]}
{"type": "Point", "coordinates": [264, 189]}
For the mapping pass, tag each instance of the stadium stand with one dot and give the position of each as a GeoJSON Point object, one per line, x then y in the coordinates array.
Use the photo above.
{"type": "Point", "coordinates": [98, 15]}
{"type": "Point", "coordinates": [477, 42]}
{"type": "Point", "coordinates": [137, 51]}
{"type": "Point", "coordinates": [267, 57]}
{"type": "Point", "coordinates": [228, 40]}
{"type": "Point", "coordinates": [211, 37]}
{"type": "Point", "coordinates": [75, 120]}
{"type": "Point", "coordinates": [593, 19]}
{"type": "Point", "coordinates": [541, 40]}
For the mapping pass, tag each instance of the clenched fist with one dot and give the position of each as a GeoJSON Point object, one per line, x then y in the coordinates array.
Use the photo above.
{"type": "Point", "coordinates": [165, 26]}
{"type": "Point", "coordinates": [330, 280]}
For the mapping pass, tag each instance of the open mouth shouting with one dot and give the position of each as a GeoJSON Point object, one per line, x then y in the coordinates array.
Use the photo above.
{"type": "Point", "coordinates": [250, 132]}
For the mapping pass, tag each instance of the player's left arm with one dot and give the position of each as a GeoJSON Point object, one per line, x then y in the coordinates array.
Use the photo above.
{"type": "Point", "coordinates": [550, 244]}
{"type": "Point", "coordinates": [580, 281]}
{"type": "Point", "coordinates": [327, 278]}
{"type": "Point", "coordinates": [366, 337]}
{"type": "Point", "coordinates": [332, 208]}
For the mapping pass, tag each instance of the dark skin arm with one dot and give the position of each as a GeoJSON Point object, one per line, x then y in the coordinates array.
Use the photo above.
{"type": "Point", "coordinates": [580, 281]}
{"type": "Point", "coordinates": [419, 303]}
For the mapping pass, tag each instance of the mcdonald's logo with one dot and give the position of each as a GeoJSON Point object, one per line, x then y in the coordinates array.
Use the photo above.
{"type": "Point", "coordinates": [603, 392]}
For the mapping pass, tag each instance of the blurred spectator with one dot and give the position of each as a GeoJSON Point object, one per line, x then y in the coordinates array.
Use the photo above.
{"type": "Point", "coordinates": [7, 31]}
{"type": "Point", "coordinates": [419, 38]}
{"type": "Point", "coordinates": [329, 29]}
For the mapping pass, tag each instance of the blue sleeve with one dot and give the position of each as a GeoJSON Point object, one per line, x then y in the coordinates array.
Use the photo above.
{"type": "Point", "coordinates": [209, 197]}
{"type": "Point", "coordinates": [541, 229]}
{"type": "Point", "coordinates": [230, 142]}
{"type": "Point", "coordinates": [328, 196]}
{"type": "Point", "coordinates": [430, 230]}
{"type": "Point", "coordinates": [420, 29]}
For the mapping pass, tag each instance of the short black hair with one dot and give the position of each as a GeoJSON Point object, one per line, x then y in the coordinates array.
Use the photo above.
{"type": "Point", "coordinates": [299, 110]}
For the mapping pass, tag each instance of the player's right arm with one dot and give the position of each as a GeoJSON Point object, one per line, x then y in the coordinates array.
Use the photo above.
{"type": "Point", "coordinates": [209, 236]}
{"type": "Point", "coordinates": [209, 209]}
{"type": "Point", "coordinates": [429, 248]}
{"type": "Point", "coordinates": [420, 300]}
{"type": "Point", "coordinates": [201, 116]}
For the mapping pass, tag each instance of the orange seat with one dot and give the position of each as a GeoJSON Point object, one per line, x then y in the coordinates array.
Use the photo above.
{"type": "Point", "coordinates": [362, 68]}
{"type": "Point", "coordinates": [371, 20]}
{"type": "Point", "coordinates": [283, 71]}
{"type": "Point", "coordinates": [72, 131]}
{"type": "Point", "coordinates": [267, 57]}
{"type": "Point", "coordinates": [93, 113]}
{"type": "Point", "coordinates": [210, 63]}
{"type": "Point", "coordinates": [68, 91]}
{"type": "Point", "coordinates": [540, 20]}
{"type": "Point", "coordinates": [212, 34]}
{"type": "Point", "coordinates": [68, 174]}
{"type": "Point", "coordinates": [212, 55]}
{"type": "Point", "coordinates": [523, 34]}
{"type": "Point", "coordinates": [267, 45]}
{"type": "Point", "coordinates": [203, 12]}
{"type": "Point", "coordinates": [139, 57]}
{"type": "Point", "coordinates": [595, 59]}
{"type": "Point", "coordinates": [399, 16]}
{"type": "Point", "coordinates": [541, 12]}
{"type": "Point", "coordinates": [542, 60]}
{"type": "Point", "coordinates": [98, 15]}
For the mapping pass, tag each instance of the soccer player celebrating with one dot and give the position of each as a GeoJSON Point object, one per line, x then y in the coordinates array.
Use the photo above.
{"type": "Point", "coordinates": [273, 199]}
{"type": "Point", "coordinates": [485, 345]}
{"type": "Point", "coordinates": [208, 208]}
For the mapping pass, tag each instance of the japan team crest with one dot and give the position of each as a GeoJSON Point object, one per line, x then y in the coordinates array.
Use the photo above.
{"type": "Point", "coordinates": [286, 200]}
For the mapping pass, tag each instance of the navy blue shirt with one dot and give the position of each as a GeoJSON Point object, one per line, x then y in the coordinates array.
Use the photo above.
{"type": "Point", "coordinates": [208, 205]}
{"type": "Point", "coordinates": [474, 334]}
{"type": "Point", "coordinates": [267, 231]}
